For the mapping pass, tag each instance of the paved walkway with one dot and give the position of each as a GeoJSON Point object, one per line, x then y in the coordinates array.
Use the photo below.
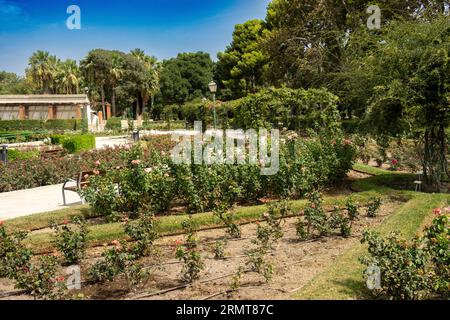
{"type": "Point", "coordinates": [103, 142]}
{"type": "Point", "coordinates": [26, 202]}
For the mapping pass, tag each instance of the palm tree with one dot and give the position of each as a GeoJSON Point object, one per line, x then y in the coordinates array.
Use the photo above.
{"type": "Point", "coordinates": [40, 71]}
{"type": "Point", "coordinates": [116, 72]}
{"type": "Point", "coordinates": [53, 66]}
{"type": "Point", "coordinates": [68, 77]}
{"type": "Point", "coordinates": [150, 87]}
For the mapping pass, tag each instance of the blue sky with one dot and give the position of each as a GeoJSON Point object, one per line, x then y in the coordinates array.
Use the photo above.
{"type": "Point", "coordinates": [162, 28]}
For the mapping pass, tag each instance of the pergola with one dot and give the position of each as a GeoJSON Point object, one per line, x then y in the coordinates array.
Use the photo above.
{"type": "Point", "coordinates": [40, 107]}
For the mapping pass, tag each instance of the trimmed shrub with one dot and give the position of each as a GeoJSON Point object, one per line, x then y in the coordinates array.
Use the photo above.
{"type": "Point", "coordinates": [79, 143]}
{"type": "Point", "coordinates": [14, 155]}
{"type": "Point", "coordinates": [63, 124]}
{"type": "Point", "coordinates": [114, 123]}
{"type": "Point", "coordinates": [35, 125]}
{"type": "Point", "coordinates": [57, 139]}
{"type": "Point", "coordinates": [19, 125]}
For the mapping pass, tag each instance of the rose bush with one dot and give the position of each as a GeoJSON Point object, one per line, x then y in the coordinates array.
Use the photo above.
{"type": "Point", "coordinates": [153, 183]}
{"type": "Point", "coordinates": [415, 269]}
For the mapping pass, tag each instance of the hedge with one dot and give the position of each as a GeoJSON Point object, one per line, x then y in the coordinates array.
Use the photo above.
{"type": "Point", "coordinates": [295, 109]}
{"type": "Point", "coordinates": [78, 143]}
{"type": "Point", "coordinates": [36, 125]}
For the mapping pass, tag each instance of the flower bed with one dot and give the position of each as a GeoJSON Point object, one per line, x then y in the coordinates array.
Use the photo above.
{"type": "Point", "coordinates": [31, 172]}
{"type": "Point", "coordinates": [37, 172]}
{"type": "Point", "coordinates": [153, 183]}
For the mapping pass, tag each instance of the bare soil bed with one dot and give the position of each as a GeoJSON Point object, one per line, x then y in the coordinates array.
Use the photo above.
{"type": "Point", "coordinates": [295, 264]}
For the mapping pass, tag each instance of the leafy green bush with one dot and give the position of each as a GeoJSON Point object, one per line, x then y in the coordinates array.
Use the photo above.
{"type": "Point", "coordinates": [78, 143]}
{"type": "Point", "coordinates": [71, 240]}
{"type": "Point", "coordinates": [57, 139]}
{"type": "Point", "coordinates": [415, 269]}
{"type": "Point", "coordinates": [143, 233]}
{"type": "Point", "coordinates": [226, 216]}
{"type": "Point", "coordinates": [437, 240]}
{"type": "Point", "coordinates": [40, 280]}
{"type": "Point", "coordinates": [114, 123]}
{"type": "Point", "coordinates": [153, 183]}
{"type": "Point", "coordinates": [339, 220]}
{"type": "Point", "coordinates": [296, 109]}
{"type": "Point", "coordinates": [315, 221]}
{"type": "Point", "coordinates": [14, 155]}
{"type": "Point", "coordinates": [189, 253]}
{"type": "Point", "coordinates": [13, 254]}
{"type": "Point", "coordinates": [373, 207]}
{"type": "Point", "coordinates": [118, 261]}
{"type": "Point", "coordinates": [403, 265]}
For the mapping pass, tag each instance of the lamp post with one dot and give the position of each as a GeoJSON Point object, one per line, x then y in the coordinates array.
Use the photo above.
{"type": "Point", "coordinates": [213, 88]}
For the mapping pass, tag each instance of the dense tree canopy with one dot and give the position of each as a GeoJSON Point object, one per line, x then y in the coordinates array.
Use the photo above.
{"type": "Point", "coordinates": [307, 41]}
{"type": "Point", "coordinates": [186, 77]}
{"type": "Point", "coordinates": [240, 68]}
{"type": "Point", "coordinates": [130, 78]}
{"type": "Point", "coordinates": [410, 76]}
{"type": "Point", "coordinates": [10, 83]}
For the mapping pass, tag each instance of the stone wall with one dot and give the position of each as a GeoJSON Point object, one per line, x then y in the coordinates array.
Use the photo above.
{"type": "Point", "coordinates": [66, 112]}
{"type": "Point", "coordinates": [9, 113]}
{"type": "Point", "coordinates": [37, 113]}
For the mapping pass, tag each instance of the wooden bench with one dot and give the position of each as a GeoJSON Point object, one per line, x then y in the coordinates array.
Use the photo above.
{"type": "Point", "coordinates": [81, 183]}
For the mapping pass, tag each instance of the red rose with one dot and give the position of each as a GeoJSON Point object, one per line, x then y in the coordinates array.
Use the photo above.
{"type": "Point", "coordinates": [437, 211]}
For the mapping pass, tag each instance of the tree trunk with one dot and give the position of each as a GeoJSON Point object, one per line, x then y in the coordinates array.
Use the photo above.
{"type": "Point", "coordinates": [435, 162]}
{"type": "Point", "coordinates": [136, 117]}
{"type": "Point", "coordinates": [113, 101]}
{"type": "Point", "coordinates": [103, 100]}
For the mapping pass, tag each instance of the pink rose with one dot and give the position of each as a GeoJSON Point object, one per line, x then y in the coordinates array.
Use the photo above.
{"type": "Point", "coordinates": [97, 163]}
{"type": "Point", "coordinates": [437, 211]}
